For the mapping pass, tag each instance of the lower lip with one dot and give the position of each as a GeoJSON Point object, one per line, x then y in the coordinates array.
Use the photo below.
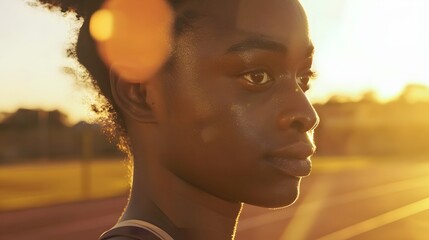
{"type": "Point", "coordinates": [292, 167]}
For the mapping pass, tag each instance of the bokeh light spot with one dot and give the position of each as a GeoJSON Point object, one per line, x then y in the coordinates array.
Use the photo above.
{"type": "Point", "coordinates": [140, 41]}
{"type": "Point", "coordinates": [101, 25]}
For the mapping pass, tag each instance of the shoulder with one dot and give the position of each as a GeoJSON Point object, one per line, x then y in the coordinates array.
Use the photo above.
{"type": "Point", "coordinates": [129, 233]}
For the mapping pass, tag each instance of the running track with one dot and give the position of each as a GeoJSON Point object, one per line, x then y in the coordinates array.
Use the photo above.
{"type": "Point", "coordinates": [375, 201]}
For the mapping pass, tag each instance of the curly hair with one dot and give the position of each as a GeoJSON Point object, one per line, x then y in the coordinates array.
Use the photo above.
{"type": "Point", "coordinates": [85, 51]}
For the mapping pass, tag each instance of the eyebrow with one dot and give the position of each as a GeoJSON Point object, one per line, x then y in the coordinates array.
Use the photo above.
{"type": "Point", "coordinates": [264, 44]}
{"type": "Point", "coordinates": [257, 43]}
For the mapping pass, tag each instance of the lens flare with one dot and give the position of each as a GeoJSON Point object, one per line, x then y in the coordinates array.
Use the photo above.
{"type": "Point", "coordinates": [101, 25]}
{"type": "Point", "coordinates": [133, 37]}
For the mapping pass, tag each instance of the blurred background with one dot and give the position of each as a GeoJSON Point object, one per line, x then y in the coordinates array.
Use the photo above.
{"type": "Point", "coordinates": [61, 178]}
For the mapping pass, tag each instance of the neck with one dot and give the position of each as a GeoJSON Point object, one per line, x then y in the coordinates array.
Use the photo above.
{"type": "Point", "coordinates": [183, 210]}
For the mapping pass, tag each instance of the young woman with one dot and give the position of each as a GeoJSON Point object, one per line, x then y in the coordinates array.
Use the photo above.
{"type": "Point", "coordinates": [224, 121]}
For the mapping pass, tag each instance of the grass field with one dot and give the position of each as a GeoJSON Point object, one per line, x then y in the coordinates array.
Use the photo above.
{"type": "Point", "coordinates": [35, 185]}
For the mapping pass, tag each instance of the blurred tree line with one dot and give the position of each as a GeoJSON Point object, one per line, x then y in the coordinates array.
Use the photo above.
{"type": "Point", "coordinates": [370, 128]}
{"type": "Point", "coordinates": [38, 135]}
{"type": "Point", "coordinates": [365, 127]}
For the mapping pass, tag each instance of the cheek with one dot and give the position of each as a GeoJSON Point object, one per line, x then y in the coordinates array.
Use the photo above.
{"type": "Point", "coordinates": [193, 105]}
{"type": "Point", "coordinates": [210, 134]}
{"type": "Point", "coordinates": [221, 152]}
{"type": "Point", "coordinates": [247, 124]}
{"type": "Point", "coordinates": [235, 127]}
{"type": "Point", "coordinates": [218, 137]}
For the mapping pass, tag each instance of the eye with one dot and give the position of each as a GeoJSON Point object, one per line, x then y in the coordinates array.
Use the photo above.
{"type": "Point", "coordinates": [303, 80]}
{"type": "Point", "coordinates": [258, 77]}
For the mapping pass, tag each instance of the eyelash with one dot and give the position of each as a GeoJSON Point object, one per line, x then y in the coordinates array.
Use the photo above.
{"type": "Point", "coordinates": [303, 79]}
{"type": "Point", "coordinates": [309, 75]}
{"type": "Point", "coordinates": [266, 79]}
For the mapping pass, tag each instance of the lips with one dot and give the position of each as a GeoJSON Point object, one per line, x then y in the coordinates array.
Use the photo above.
{"type": "Point", "coordinates": [293, 160]}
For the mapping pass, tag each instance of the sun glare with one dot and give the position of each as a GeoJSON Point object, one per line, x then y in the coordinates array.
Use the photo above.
{"type": "Point", "coordinates": [361, 45]}
{"type": "Point", "coordinates": [369, 45]}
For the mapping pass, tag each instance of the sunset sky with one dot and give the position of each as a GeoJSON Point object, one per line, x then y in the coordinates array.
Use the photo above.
{"type": "Point", "coordinates": [361, 45]}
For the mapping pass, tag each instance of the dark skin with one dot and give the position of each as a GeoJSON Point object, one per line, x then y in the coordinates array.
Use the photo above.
{"type": "Point", "coordinates": [204, 132]}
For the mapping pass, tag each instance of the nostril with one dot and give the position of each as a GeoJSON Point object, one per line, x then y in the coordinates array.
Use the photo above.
{"type": "Point", "coordinates": [297, 125]}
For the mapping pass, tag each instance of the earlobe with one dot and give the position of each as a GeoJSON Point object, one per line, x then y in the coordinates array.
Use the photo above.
{"type": "Point", "coordinates": [133, 99]}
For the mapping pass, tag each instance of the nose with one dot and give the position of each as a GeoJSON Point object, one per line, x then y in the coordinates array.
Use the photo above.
{"type": "Point", "coordinates": [301, 117]}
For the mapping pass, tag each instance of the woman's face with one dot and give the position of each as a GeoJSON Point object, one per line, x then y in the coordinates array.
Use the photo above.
{"type": "Point", "coordinates": [235, 120]}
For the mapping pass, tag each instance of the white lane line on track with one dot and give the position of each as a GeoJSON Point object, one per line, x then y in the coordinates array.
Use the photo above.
{"type": "Point", "coordinates": [306, 214]}
{"type": "Point", "coordinates": [379, 221]}
{"type": "Point", "coordinates": [280, 215]}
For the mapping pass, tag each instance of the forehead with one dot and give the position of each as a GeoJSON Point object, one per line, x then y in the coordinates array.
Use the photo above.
{"type": "Point", "coordinates": [223, 23]}
{"type": "Point", "coordinates": [279, 19]}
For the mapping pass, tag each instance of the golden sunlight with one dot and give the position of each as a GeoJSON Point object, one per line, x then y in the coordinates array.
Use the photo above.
{"type": "Point", "coordinates": [379, 221]}
{"type": "Point", "coordinates": [101, 25]}
{"type": "Point", "coordinates": [370, 175]}
{"type": "Point", "coordinates": [367, 45]}
{"type": "Point", "coordinates": [138, 43]}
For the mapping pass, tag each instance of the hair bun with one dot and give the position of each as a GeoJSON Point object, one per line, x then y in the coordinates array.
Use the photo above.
{"type": "Point", "coordinates": [77, 6]}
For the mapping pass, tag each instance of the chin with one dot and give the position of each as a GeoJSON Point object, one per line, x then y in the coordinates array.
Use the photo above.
{"type": "Point", "coordinates": [277, 197]}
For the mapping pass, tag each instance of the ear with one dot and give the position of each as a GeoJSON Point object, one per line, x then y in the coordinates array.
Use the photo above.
{"type": "Point", "coordinates": [133, 99]}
